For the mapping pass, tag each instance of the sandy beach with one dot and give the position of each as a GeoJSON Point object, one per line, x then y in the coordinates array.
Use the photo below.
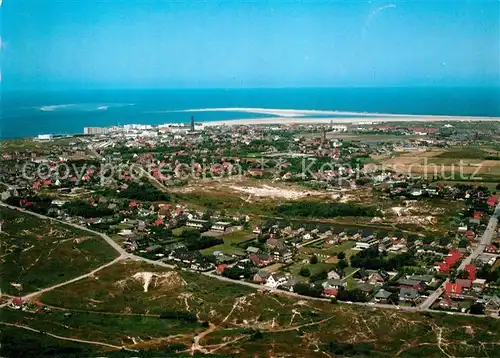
{"type": "Point", "coordinates": [339, 120]}
{"type": "Point", "coordinates": [296, 116]}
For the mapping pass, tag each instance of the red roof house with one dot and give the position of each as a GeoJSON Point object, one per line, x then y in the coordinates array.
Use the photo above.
{"type": "Point", "coordinates": [330, 292]}
{"type": "Point", "coordinates": [453, 289]}
{"type": "Point", "coordinates": [491, 249]}
{"type": "Point", "coordinates": [471, 269]}
{"type": "Point", "coordinates": [453, 257]}
{"type": "Point", "coordinates": [158, 222]}
{"type": "Point", "coordinates": [17, 301]}
{"type": "Point", "coordinates": [464, 283]}
{"type": "Point", "coordinates": [444, 267]}
{"type": "Point", "coordinates": [492, 200]}
{"type": "Point", "coordinates": [220, 269]}
{"type": "Point", "coordinates": [470, 235]}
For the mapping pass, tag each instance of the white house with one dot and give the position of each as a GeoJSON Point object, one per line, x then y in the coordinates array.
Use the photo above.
{"type": "Point", "coordinates": [276, 279]}
{"type": "Point", "coordinates": [220, 226]}
{"type": "Point", "coordinates": [196, 223]}
{"type": "Point", "coordinates": [366, 243]}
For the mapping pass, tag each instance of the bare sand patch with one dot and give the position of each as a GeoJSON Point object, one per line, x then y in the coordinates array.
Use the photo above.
{"type": "Point", "coordinates": [273, 192]}
{"type": "Point", "coordinates": [431, 153]}
{"type": "Point", "coordinates": [491, 163]}
{"type": "Point", "coordinates": [168, 280]}
{"type": "Point", "coordinates": [403, 160]}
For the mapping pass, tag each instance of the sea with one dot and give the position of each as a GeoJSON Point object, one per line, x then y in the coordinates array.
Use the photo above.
{"type": "Point", "coordinates": [29, 113]}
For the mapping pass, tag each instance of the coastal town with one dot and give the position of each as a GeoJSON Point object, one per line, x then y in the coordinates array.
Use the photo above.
{"type": "Point", "coordinates": [250, 179]}
{"type": "Point", "coordinates": [361, 213]}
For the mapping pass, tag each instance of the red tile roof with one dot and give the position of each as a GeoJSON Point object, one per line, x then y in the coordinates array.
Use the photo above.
{"type": "Point", "coordinates": [471, 269]}
{"type": "Point", "coordinates": [444, 267]}
{"type": "Point", "coordinates": [330, 292]}
{"type": "Point", "coordinates": [464, 283]}
{"type": "Point", "coordinates": [221, 268]}
{"type": "Point", "coordinates": [453, 288]}
{"type": "Point", "coordinates": [492, 200]}
{"type": "Point", "coordinates": [470, 235]}
{"type": "Point", "coordinates": [18, 301]}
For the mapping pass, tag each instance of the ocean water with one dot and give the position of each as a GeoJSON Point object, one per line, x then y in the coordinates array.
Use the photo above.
{"type": "Point", "coordinates": [62, 112]}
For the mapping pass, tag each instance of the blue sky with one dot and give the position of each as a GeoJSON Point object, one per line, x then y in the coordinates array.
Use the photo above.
{"type": "Point", "coordinates": [170, 44]}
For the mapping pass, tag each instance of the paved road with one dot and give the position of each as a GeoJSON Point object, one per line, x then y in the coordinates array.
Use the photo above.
{"type": "Point", "coordinates": [486, 239]}
{"type": "Point", "coordinates": [67, 338]}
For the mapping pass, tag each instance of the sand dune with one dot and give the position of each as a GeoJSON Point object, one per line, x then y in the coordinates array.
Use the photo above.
{"type": "Point", "coordinates": [342, 120]}
{"type": "Point", "coordinates": [307, 112]}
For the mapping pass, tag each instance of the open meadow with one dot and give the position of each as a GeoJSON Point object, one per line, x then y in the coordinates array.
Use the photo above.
{"type": "Point", "coordinates": [123, 305]}
{"type": "Point", "coordinates": [39, 253]}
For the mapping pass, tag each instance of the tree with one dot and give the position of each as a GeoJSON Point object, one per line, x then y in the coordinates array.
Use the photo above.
{"type": "Point", "coordinates": [444, 241]}
{"type": "Point", "coordinates": [326, 210]}
{"type": "Point", "coordinates": [354, 295]}
{"type": "Point", "coordinates": [313, 260]}
{"type": "Point", "coordinates": [463, 274]}
{"type": "Point", "coordinates": [341, 255]}
{"type": "Point", "coordinates": [342, 264]}
{"type": "Point", "coordinates": [308, 290]}
{"type": "Point", "coordinates": [428, 240]}
{"type": "Point", "coordinates": [320, 276]}
{"type": "Point", "coordinates": [462, 243]}
{"type": "Point", "coordinates": [477, 308]}
{"type": "Point", "coordinates": [305, 272]}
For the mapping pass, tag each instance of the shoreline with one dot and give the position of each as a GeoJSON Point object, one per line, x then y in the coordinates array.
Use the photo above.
{"type": "Point", "coordinates": [308, 113]}
{"type": "Point", "coordinates": [343, 120]}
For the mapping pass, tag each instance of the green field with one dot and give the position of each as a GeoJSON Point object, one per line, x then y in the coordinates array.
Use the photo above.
{"type": "Point", "coordinates": [463, 153]}
{"type": "Point", "coordinates": [38, 253]}
{"type": "Point", "coordinates": [18, 342]}
{"type": "Point", "coordinates": [331, 250]}
{"type": "Point", "coordinates": [313, 269]}
{"type": "Point", "coordinates": [230, 242]}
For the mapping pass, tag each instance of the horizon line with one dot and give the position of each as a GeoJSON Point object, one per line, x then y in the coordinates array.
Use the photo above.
{"type": "Point", "coordinates": [4, 90]}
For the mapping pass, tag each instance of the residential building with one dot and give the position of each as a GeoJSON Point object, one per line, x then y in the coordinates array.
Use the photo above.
{"type": "Point", "coordinates": [408, 294]}
{"type": "Point", "coordinates": [276, 279]}
{"type": "Point", "coordinates": [252, 250]}
{"type": "Point", "coordinates": [413, 284]}
{"type": "Point", "coordinates": [465, 284]}
{"type": "Point", "coordinates": [220, 268]}
{"type": "Point", "coordinates": [492, 305]}
{"type": "Point", "coordinates": [478, 284]}
{"type": "Point", "coordinates": [261, 276]}
{"type": "Point", "coordinates": [382, 296]}
{"type": "Point", "coordinates": [220, 226]}
{"type": "Point", "coordinates": [282, 255]}
{"type": "Point", "coordinates": [330, 292]}
{"type": "Point", "coordinates": [366, 243]}
{"type": "Point", "coordinates": [332, 283]}
{"type": "Point", "coordinates": [453, 290]}
{"type": "Point", "coordinates": [335, 274]}
{"type": "Point", "coordinates": [196, 223]}
{"type": "Point", "coordinates": [96, 130]}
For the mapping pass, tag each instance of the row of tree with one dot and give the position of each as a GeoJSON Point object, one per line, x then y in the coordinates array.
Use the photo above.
{"type": "Point", "coordinates": [372, 259]}
{"type": "Point", "coordinates": [325, 210]}
{"type": "Point", "coordinates": [143, 191]}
